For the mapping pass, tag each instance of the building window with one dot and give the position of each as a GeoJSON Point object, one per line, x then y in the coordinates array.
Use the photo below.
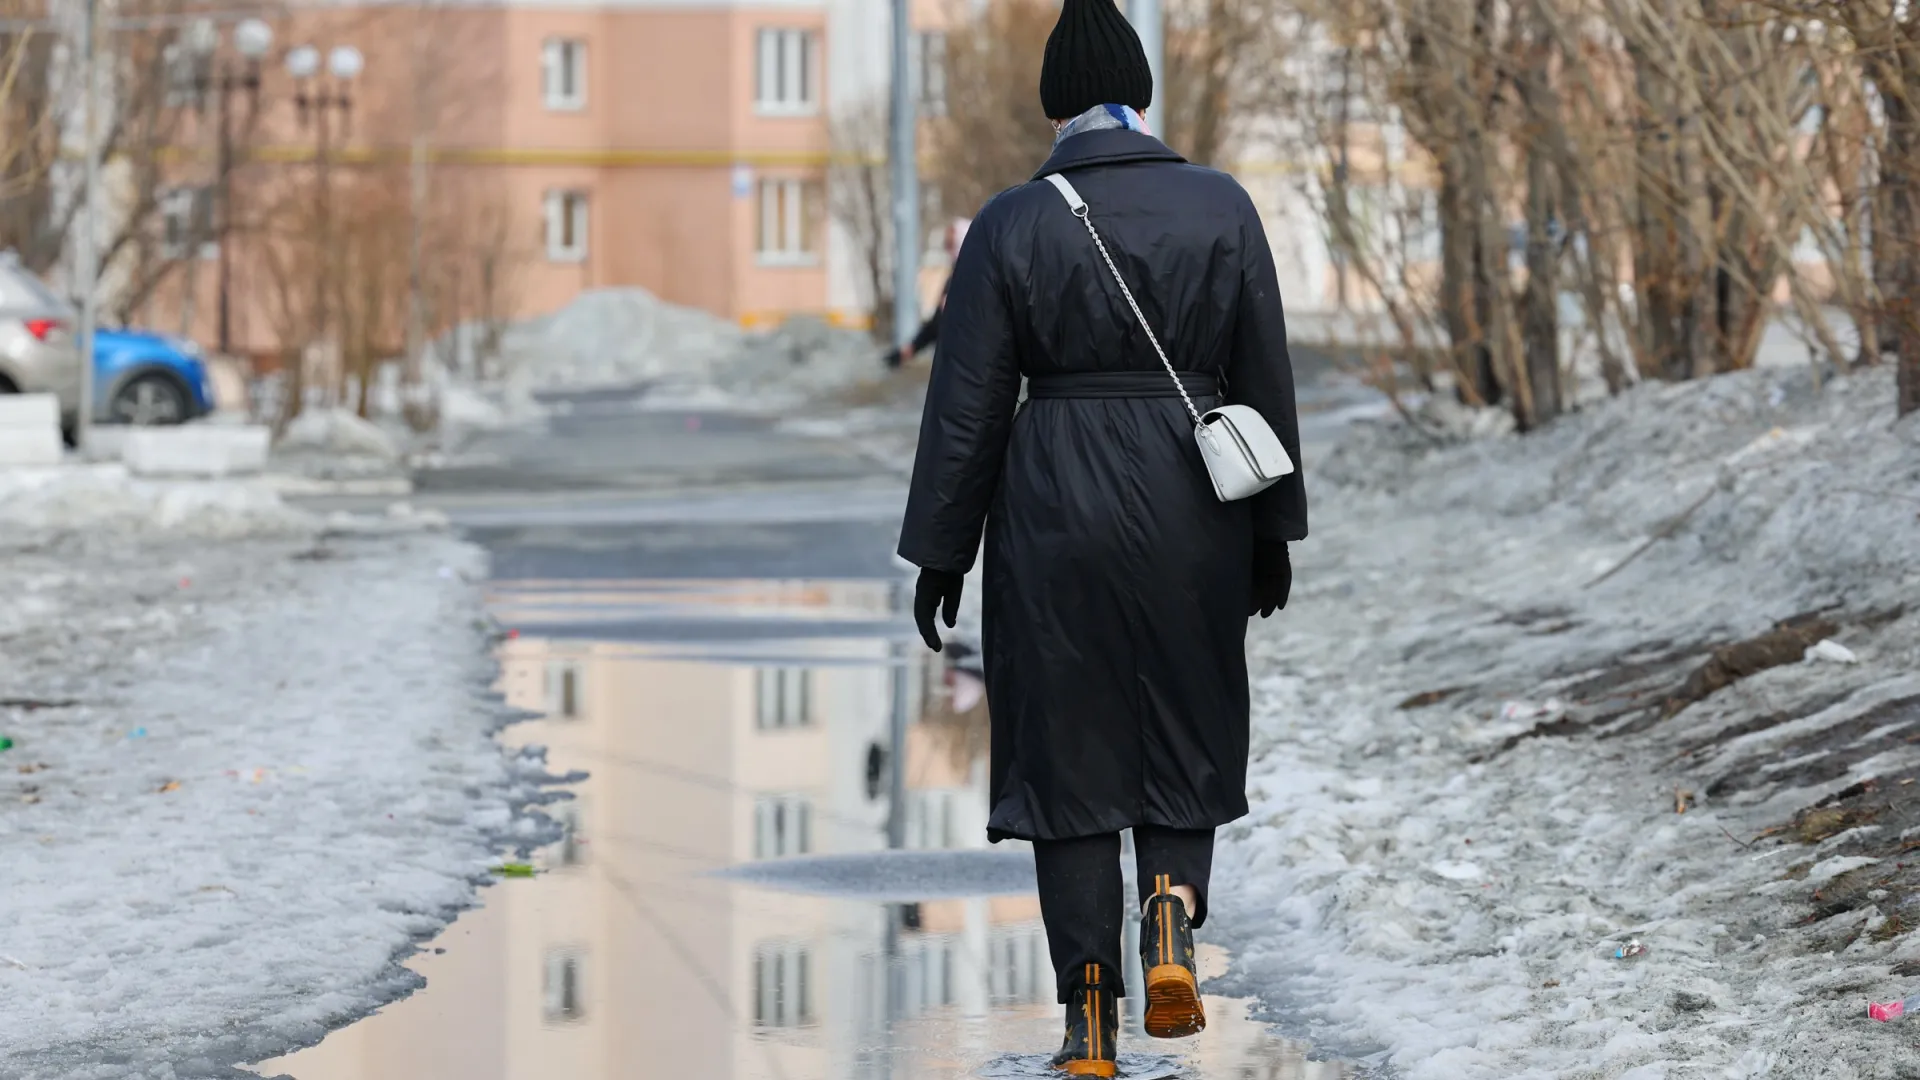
{"type": "Point", "coordinates": [789, 211]}
{"type": "Point", "coordinates": [186, 223]}
{"type": "Point", "coordinates": [563, 74]}
{"type": "Point", "coordinates": [927, 963]}
{"type": "Point", "coordinates": [782, 986]}
{"type": "Point", "coordinates": [930, 814]}
{"type": "Point", "coordinates": [564, 691]}
{"type": "Point", "coordinates": [781, 826]}
{"type": "Point", "coordinates": [784, 698]}
{"type": "Point", "coordinates": [930, 71]}
{"type": "Point", "coordinates": [562, 990]}
{"type": "Point", "coordinates": [566, 226]}
{"type": "Point", "coordinates": [1017, 968]}
{"type": "Point", "coordinates": [787, 73]}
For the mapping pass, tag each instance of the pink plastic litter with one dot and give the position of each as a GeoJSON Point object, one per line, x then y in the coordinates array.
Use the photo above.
{"type": "Point", "coordinates": [1891, 1010]}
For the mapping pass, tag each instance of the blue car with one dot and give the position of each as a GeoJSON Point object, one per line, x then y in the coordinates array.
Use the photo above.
{"type": "Point", "coordinates": [146, 378]}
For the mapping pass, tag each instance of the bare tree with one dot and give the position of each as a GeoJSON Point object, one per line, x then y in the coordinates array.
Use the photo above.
{"type": "Point", "coordinates": [997, 135]}
{"type": "Point", "coordinates": [1661, 161]}
{"type": "Point", "coordinates": [151, 87]}
{"type": "Point", "coordinates": [1873, 65]}
{"type": "Point", "coordinates": [859, 200]}
{"type": "Point", "coordinates": [1223, 60]}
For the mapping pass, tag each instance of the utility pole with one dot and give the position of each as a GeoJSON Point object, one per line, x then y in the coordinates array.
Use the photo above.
{"type": "Point", "coordinates": [1148, 23]}
{"type": "Point", "coordinates": [89, 249]}
{"type": "Point", "coordinates": [906, 181]}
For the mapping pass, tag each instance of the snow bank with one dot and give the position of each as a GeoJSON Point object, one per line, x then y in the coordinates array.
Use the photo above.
{"type": "Point", "coordinates": [263, 773]}
{"type": "Point", "coordinates": [339, 431]}
{"type": "Point", "coordinates": [610, 336]}
{"type": "Point", "coordinates": [93, 497]}
{"type": "Point", "coordinates": [628, 336]}
{"type": "Point", "coordinates": [1409, 889]}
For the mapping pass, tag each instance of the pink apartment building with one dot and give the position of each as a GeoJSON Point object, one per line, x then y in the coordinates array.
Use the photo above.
{"type": "Point", "coordinates": [677, 145]}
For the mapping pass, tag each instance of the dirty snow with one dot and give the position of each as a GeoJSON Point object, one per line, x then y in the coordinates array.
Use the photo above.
{"type": "Point", "coordinates": [109, 497]}
{"type": "Point", "coordinates": [1454, 920]}
{"type": "Point", "coordinates": [252, 767]}
{"type": "Point", "coordinates": [621, 337]}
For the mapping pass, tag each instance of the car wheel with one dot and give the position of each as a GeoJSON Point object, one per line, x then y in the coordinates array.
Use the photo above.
{"type": "Point", "coordinates": [150, 400]}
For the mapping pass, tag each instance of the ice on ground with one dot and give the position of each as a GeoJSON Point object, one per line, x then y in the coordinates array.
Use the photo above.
{"type": "Point", "coordinates": [1455, 571]}
{"type": "Point", "coordinates": [247, 775]}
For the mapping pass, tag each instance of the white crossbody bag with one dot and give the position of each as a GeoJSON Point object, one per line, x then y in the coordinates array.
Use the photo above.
{"type": "Point", "coordinates": [1243, 455]}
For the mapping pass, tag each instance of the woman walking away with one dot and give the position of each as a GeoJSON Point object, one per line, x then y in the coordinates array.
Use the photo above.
{"type": "Point", "coordinates": [1118, 583]}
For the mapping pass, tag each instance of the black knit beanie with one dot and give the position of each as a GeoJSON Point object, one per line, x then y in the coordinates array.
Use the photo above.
{"type": "Point", "coordinates": [1093, 58]}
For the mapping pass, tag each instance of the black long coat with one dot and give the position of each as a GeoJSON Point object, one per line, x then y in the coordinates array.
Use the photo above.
{"type": "Point", "coordinates": [1117, 585]}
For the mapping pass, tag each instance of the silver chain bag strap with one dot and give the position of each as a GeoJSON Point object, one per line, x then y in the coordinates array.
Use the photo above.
{"type": "Point", "coordinates": [1243, 455]}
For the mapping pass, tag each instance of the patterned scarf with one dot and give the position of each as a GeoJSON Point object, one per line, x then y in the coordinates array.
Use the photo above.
{"type": "Point", "coordinates": [1102, 118]}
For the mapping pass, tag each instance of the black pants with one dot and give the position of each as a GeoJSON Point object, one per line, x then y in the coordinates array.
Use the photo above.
{"type": "Point", "coordinates": [1080, 886]}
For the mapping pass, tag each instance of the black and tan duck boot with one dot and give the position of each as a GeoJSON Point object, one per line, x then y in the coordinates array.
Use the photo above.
{"type": "Point", "coordinates": [1174, 1009]}
{"type": "Point", "coordinates": [1093, 1026]}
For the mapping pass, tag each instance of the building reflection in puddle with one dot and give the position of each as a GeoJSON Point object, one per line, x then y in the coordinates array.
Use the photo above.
{"type": "Point", "coordinates": [725, 723]}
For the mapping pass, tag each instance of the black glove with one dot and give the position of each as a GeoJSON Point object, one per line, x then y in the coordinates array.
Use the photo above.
{"type": "Point", "coordinates": [1272, 577]}
{"type": "Point", "coordinates": [937, 590]}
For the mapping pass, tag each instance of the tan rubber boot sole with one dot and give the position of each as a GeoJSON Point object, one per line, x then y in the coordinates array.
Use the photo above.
{"type": "Point", "coordinates": [1174, 1010]}
{"type": "Point", "coordinates": [1087, 1068]}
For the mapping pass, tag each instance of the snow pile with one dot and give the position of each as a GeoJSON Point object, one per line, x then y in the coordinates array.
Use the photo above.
{"type": "Point", "coordinates": [91, 497]}
{"type": "Point", "coordinates": [465, 407]}
{"type": "Point", "coordinates": [1422, 883]}
{"type": "Point", "coordinates": [801, 359]}
{"type": "Point", "coordinates": [618, 336]}
{"type": "Point", "coordinates": [258, 773]}
{"type": "Point", "coordinates": [628, 336]}
{"type": "Point", "coordinates": [339, 431]}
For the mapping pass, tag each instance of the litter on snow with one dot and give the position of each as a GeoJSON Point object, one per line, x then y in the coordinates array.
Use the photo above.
{"type": "Point", "coordinates": [1630, 950]}
{"type": "Point", "coordinates": [1891, 1010]}
{"type": "Point", "coordinates": [1831, 651]}
{"type": "Point", "coordinates": [514, 869]}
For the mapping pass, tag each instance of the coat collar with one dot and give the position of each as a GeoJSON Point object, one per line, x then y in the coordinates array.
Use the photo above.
{"type": "Point", "coordinates": [1107, 146]}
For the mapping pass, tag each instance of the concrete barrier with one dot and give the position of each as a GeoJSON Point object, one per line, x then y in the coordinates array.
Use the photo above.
{"type": "Point", "coordinates": [196, 450]}
{"type": "Point", "coordinates": [30, 430]}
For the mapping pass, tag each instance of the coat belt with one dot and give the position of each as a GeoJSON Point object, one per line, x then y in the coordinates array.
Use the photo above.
{"type": "Point", "coordinates": [1120, 384]}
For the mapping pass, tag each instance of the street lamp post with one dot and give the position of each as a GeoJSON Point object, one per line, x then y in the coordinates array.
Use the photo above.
{"type": "Point", "coordinates": [905, 180]}
{"type": "Point", "coordinates": [251, 39]}
{"type": "Point", "coordinates": [87, 263]}
{"type": "Point", "coordinates": [316, 97]}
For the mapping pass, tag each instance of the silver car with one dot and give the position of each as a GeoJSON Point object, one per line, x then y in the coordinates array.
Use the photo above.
{"type": "Point", "coordinates": [38, 352]}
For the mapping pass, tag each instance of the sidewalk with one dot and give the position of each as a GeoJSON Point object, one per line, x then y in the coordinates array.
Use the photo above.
{"type": "Point", "coordinates": [1478, 775]}
{"type": "Point", "coordinates": [251, 765]}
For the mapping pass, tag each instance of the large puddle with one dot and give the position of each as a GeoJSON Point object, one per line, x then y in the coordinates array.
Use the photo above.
{"type": "Point", "coordinates": [723, 907]}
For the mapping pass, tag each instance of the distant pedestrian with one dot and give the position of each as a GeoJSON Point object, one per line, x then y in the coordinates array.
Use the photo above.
{"type": "Point", "coordinates": [929, 333]}
{"type": "Point", "coordinates": [1118, 586]}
